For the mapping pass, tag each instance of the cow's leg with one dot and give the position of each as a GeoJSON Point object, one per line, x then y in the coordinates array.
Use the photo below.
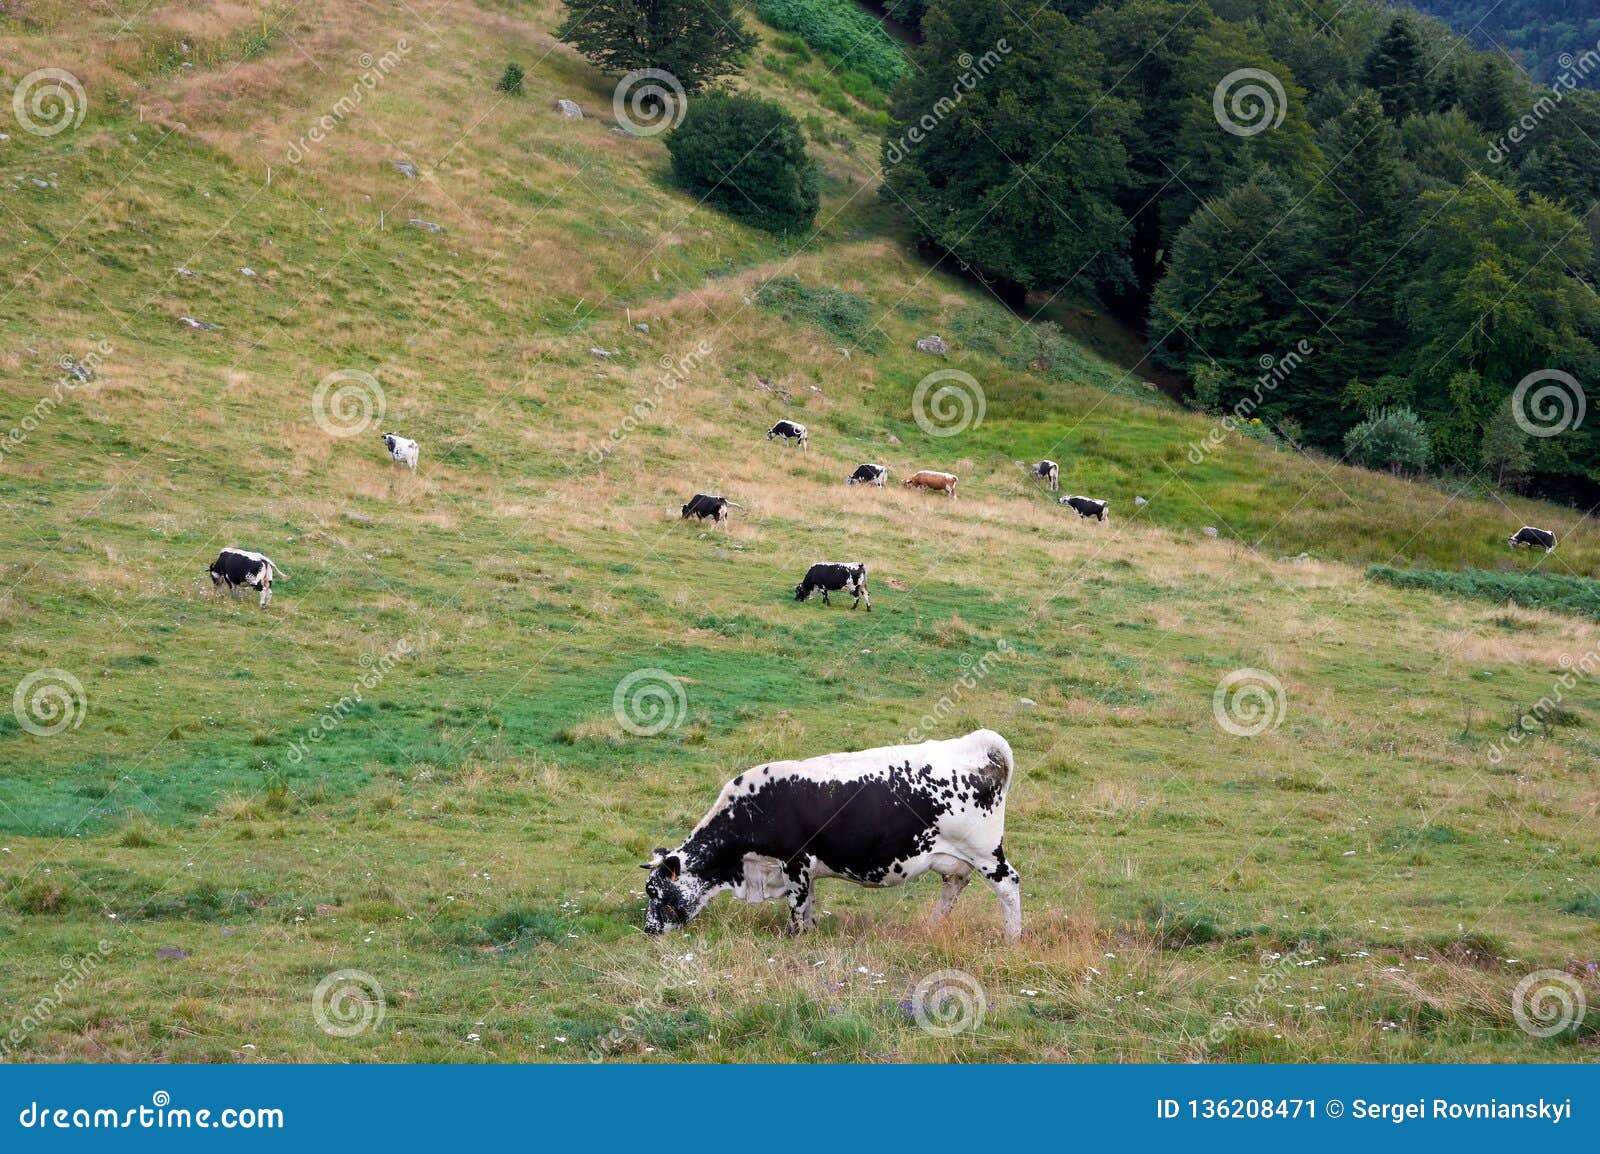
{"type": "Point", "coordinates": [800, 892]}
{"type": "Point", "coordinates": [266, 593]}
{"type": "Point", "coordinates": [1007, 885]}
{"type": "Point", "coordinates": [955, 880]}
{"type": "Point", "coordinates": [825, 600]}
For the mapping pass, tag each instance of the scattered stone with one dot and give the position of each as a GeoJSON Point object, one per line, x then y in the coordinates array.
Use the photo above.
{"type": "Point", "coordinates": [607, 353]}
{"type": "Point", "coordinates": [4, 137]}
{"type": "Point", "coordinates": [642, 327]}
{"type": "Point", "coordinates": [73, 369]}
{"type": "Point", "coordinates": [845, 353]}
{"type": "Point", "coordinates": [186, 271]}
{"type": "Point", "coordinates": [893, 440]}
{"type": "Point", "coordinates": [1140, 501]}
{"type": "Point", "coordinates": [173, 953]}
{"type": "Point", "coordinates": [934, 344]}
{"type": "Point", "coordinates": [569, 110]}
{"type": "Point", "coordinates": [425, 225]}
{"type": "Point", "coordinates": [133, 138]}
{"type": "Point", "coordinates": [203, 326]}
{"type": "Point", "coordinates": [248, 271]}
{"type": "Point", "coordinates": [1209, 531]}
{"type": "Point", "coordinates": [1026, 701]}
{"type": "Point", "coordinates": [405, 168]}
{"type": "Point", "coordinates": [356, 518]}
{"type": "Point", "coordinates": [37, 183]}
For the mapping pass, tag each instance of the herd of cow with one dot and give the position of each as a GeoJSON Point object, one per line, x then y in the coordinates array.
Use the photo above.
{"type": "Point", "coordinates": [876, 817]}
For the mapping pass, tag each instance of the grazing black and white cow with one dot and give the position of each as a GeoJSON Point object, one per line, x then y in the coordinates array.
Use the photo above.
{"type": "Point", "coordinates": [1533, 539]}
{"type": "Point", "coordinates": [790, 431]}
{"type": "Point", "coordinates": [835, 577]}
{"type": "Point", "coordinates": [868, 475]}
{"type": "Point", "coordinates": [236, 567]}
{"type": "Point", "coordinates": [702, 506]}
{"type": "Point", "coordinates": [878, 817]}
{"type": "Point", "coordinates": [403, 451]}
{"type": "Point", "coordinates": [1050, 472]}
{"type": "Point", "coordinates": [1087, 507]}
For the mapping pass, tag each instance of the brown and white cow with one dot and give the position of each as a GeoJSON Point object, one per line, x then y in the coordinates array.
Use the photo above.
{"type": "Point", "coordinates": [935, 480]}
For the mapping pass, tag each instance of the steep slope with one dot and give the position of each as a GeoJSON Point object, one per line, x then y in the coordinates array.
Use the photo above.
{"type": "Point", "coordinates": [432, 758]}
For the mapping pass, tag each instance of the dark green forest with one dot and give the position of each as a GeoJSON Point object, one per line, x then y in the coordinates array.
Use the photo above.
{"type": "Point", "coordinates": [1336, 217]}
{"type": "Point", "coordinates": [1538, 33]}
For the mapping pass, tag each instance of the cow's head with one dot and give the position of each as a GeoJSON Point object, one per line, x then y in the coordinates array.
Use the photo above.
{"type": "Point", "coordinates": [685, 515]}
{"type": "Point", "coordinates": [1512, 540]}
{"type": "Point", "coordinates": [675, 894]}
{"type": "Point", "coordinates": [801, 591]}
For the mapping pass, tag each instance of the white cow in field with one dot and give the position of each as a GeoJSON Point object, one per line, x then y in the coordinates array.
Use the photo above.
{"type": "Point", "coordinates": [403, 450]}
{"type": "Point", "coordinates": [877, 817]}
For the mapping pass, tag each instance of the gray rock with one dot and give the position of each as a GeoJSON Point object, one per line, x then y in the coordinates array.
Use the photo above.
{"type": "Point", "coordinates": [642, 327]}
{"type": "Point", "coordinates": [405, 168]}
{"type": "Point", "coordinates": [425, 225]}
{"type": "Point", "coordinates": [569, 110]}
{"type": "Point", "coordinates": [607, 353]}
{"type": "Point", "coordinates": [1209, 531]}
{"type": "Point", "coordinates": [73, 369]}
{"type": "Point", "coordinates": [356, 518]}
{"type": "Point", "coordinates": [1140, 501]}
{"type": "Point", "coordinates": [1026, 701]}
{"type": "Point", "coordinates": [248, 271]}
{"type": "Point", "coordinates": [203, 326]}
{"type": "Point", "coordinates": [934, 344]}
{"type": "Point", "coordinates": [893, 440]}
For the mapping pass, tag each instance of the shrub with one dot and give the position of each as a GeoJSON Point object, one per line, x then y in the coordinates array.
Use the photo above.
{"type": "Point", "coordinates": [1554, 591]}
{"type": "Point", "coordinates": [1393, 439]}
{"type": "Point", "coordinates": [842, 315]}
{"type": "Point", "coordinates": [511, 79]}
{"type": "Point", "coordinates": [747, 156]}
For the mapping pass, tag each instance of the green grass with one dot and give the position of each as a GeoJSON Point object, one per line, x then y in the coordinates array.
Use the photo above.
{"type": "Point", "coordinates": [468, 832]}
{"type": "Point", "coordinates": [1554, 591]}
{"type": "Point", "coordinates": [850, 39]}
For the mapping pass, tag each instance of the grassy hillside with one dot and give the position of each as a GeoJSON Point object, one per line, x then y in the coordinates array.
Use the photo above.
{"type": "Point", "coordinates": [411, 764]}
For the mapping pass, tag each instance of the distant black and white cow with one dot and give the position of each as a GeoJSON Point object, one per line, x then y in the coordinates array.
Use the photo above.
{"type": "Point", "coordinates": [403, 451]}
{"type": "Point", "coordinates": [236, 567]}
{"type": "Point", "coordinates": [1087, 507]}
{"type": "Point", "coordinates": [702, 506]}
{"type": "Point", "coordinates": [868, 475]}
{"type": "Point", "coordinates": [835, 577]}
{"type": "Point", "coordinates": [1049, 472]}
{"type": "Point", "coordinates": [878, 817]}
{"type": "Point", "coordinates": [790, 431]}
{"type": "Point", "coordinates": [1533, 539]}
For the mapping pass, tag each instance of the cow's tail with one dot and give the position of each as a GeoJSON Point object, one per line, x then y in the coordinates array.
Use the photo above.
{"type": "Point", "coordinates": [735, 504]}
{"type": "Point", "coordinates": [277, 573]}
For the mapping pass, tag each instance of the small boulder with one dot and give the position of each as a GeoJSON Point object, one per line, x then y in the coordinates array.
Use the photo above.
{"type": "Point", "coordinates": [1210, 530]}
{"type": "Point", "coordinates": [934, 344]}
{"type": "Point", "coordinates": [569, 110]}
{"type": "Point", "coordinates": [1026, 701]}
{"type": "Point", "coordinates": [1140, 501]}
{"type": "Point", "coordinates": [425, 225]}
{"type": "Point", "coordinates": [405, 168]}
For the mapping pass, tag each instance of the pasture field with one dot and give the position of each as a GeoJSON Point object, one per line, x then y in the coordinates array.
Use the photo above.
{"type": "Point", "coordinates": [488, 688]}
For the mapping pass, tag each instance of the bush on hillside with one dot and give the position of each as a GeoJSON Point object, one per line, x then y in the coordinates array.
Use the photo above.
{"type": "Point", "coordinates": [1393, 439]}
{"type": "Point", "coordinates": [511, 79]}
{"type": "Point", "coordinates": [747, 156]}
{"type": "Point", "coordinates": [696, 41]}
{"type": "Point", "coordinates": [1554, 591]}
